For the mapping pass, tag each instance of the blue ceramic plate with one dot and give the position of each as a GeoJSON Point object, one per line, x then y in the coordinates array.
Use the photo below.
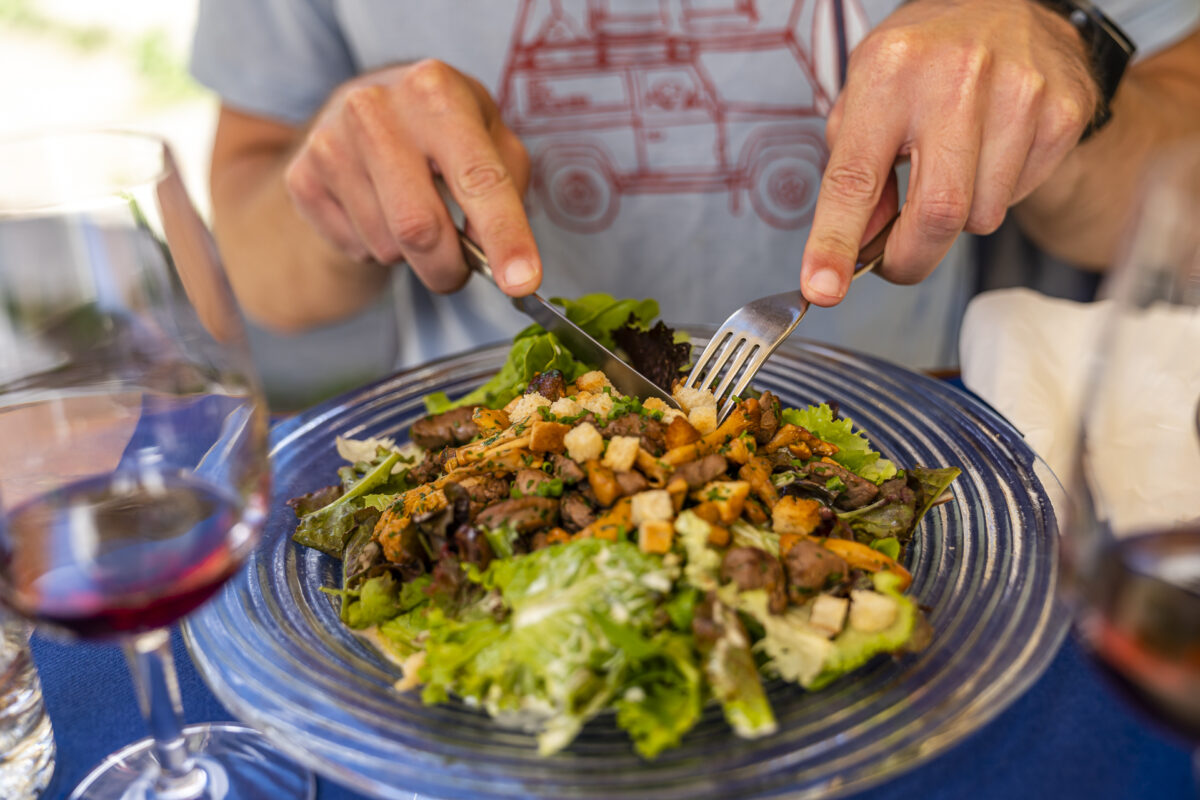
{"type": "Point", "coordinates": [985, 566]}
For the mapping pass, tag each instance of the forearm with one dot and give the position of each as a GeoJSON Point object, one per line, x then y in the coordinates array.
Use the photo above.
{"type": "Point", "coordinates": [285, 275]}
{"type": "Point", "coordinates": [1081, 212]}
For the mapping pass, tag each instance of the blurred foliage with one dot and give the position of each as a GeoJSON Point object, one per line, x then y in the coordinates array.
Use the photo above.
{"type": "Point", "coordinates": [162, 70]}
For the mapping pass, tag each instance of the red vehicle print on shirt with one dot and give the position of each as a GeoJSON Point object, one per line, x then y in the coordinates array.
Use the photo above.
{"type": "Point", "coordinates": [615, 97]}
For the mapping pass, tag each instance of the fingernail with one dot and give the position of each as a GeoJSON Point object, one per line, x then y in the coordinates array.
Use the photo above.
{"type": "Point", "coordinates": [826, 282]}
{"type": "Point", "coordinates": [519, 273]}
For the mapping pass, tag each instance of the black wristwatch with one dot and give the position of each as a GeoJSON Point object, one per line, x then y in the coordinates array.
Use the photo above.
{"type": "Point", "coordinates": [1109, 49]}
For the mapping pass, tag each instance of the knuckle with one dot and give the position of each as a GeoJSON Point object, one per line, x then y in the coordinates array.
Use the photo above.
{"type": "Point", "coordinates": [1065, 118]}
{"type": "Point", "coordinates": [854, 181]}
{"type": "Point", "coordinates": [1025, 86]}
{"type": "Point", "coordinates": [888, 51]}
{"type": "Point", "coordinates": [432, 82]}
{"type": "Point", "coordinates": [483, 178]}
{"type": "Point", "coordinates": [974, 59]}
{"type": "Point", "coordinates": [301, 185]}
{"type": "Point", "coordinates": [322, 147]}
{"type": "Point", "coordinates": [831, 247]}
{"type": "Point", "coordinates": [362, 103]}
{"type": "Point", "coordinates": [416, 230]}
{"type": "Point", "coordinates": [943, 214]}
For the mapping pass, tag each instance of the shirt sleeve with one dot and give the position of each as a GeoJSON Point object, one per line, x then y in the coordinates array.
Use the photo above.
{"type": "Point", "coordinates": [274, 58]}
{"type": "Point", "coordinates": [1153, 26]}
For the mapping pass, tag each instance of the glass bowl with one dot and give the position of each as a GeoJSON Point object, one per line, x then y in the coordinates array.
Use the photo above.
{"type": "Point", "coordinates": [984, 566]}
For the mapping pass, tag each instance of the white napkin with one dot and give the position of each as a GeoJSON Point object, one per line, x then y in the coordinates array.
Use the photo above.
{"type": "Point", "coordinates": [1029, 355]}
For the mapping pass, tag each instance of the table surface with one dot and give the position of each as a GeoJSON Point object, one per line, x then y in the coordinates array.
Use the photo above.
{"type": "Point", "coordinates": [1067, 737]}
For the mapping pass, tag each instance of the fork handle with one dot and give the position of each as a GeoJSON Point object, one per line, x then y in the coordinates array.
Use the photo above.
{"type": "Point", "coordinates": [871, 255]}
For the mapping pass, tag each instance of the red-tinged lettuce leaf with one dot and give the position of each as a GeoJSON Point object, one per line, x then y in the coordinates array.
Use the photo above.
{"type": "Point", "coordinates": [653, 352]}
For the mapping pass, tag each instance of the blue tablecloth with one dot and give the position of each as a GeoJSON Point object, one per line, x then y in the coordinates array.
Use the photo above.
{"type": "Point", "coordinates": [1067, 737]}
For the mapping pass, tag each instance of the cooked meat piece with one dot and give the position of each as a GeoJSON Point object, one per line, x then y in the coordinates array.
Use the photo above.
{"type": "Point", "coordinates": [528, 481]}
{"type": "Point", "coordinates": [770, 417]}
{"type": "Point", "coordinates": [548, 384]}
{"type": "Point", "coordinates": [430, 468]}
{"type": "Point", "coordinates": [565, 469]}
{"type": "Point", "coordinates": [651, 431]}
{"type": "Point", "coordinates": [858, 492]}
{"type": "Point", "coordinates": [576, 512]}
{"type": "Point", "coordinates": [631, 482]}
{"type": "Point", "coordinates": [459, 499]}
{"type": "Point", "coordinates": [523, 515]}
{"type": "Point", "coordinates": [454, 427]}
{"type": "Point", "coordinates": [484, 490]}
{"type": "Point", "coordinates": [702, 470]}
{"type": "Point", "coordinates": [810, 566]}
{"type": "Point", "coordinates": [780, 459]}
{"type": "Point", "coordinates": [897, 490]}
{"type": "Point", "coordinates": [751, 568]}
{"type": "Point", "coordinates": [472, 546]}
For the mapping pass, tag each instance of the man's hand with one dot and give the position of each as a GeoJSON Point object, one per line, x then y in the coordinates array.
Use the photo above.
{"type": "Point", "coordinates": [363, 176]}
{"type": "Point", "coordinates": [984, 97]}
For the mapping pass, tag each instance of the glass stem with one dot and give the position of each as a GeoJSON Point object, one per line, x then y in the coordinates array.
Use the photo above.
{"type": "Point", "coordinates": [157, 687]}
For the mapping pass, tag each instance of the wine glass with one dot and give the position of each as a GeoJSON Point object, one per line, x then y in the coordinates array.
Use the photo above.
{"type": "Point", "coordinates": [134, 475]}
{"type": "Point", "coordinates": [1131, 545]}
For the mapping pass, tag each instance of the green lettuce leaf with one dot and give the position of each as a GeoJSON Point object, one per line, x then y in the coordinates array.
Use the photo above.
{"type": "Point", "coordinates": [601, 314]}
{"type": "Point", "coordinates": [329, 528]}
{"type": "Point", "coordinates": [795, 650]}
{"type": "Point", "coordinates": [854, 451]}
{"type": "Point", "coordinates": [733, 675]}
{"type": "Point", "coordinates": [576, 619]}
{"type": "Point", "coordinates": [853, 648]}
{"type": "Point", "coordinates": [933, 483]}
{"type": "Point", "coordinates": [664, 697]}
{"type": "Point", "coordinates": [533, 351]}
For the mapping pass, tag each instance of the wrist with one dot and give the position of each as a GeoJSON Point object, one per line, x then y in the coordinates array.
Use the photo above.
{"type": "Point", "coordinates": [1108, 51]}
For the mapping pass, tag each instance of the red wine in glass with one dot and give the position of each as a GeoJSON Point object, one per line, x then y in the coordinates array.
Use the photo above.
{"type": "Point", "coordinates": [1144, 626]}
{"type": "Point", "coordinates": [120, 554]}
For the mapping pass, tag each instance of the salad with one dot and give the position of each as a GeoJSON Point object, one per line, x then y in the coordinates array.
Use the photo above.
{"type": "Point", "coordinates": [548, 549]}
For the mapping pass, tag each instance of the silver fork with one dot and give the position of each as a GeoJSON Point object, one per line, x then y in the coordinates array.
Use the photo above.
{"type": "Point", "coordinates": [750, 334]}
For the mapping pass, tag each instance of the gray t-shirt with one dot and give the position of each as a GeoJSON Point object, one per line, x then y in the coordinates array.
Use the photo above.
{"type": "Point", "coordinates": [678, 144]}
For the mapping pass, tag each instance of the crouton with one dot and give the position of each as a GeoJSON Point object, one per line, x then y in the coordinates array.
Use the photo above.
{"type": "Point", "coordinates": [655, 536]}
{"type": "Point", "coordinates": [653, 504]}
{"type": "Point", "coordinates": [594, 381]}
{"type": "Point", "coordinates": [565, 407]}
{"type": "Point", "coordinates": [598, 403]}
{"type": "Point", "coordinates": [797, 515]}
{"type": "Point", "coordinates": [728, 496]}
{"type": "Point", "coordinates": [584, 442]}
{"type": "Point", "coordinates": [703, 419]}
{"type": "Point", "coordinates": [621, 453]}
{"type": "Point", "coordinates": [690, 398]}
{"type": "Point", "coordinates": [548, 437]}
{"type": "Point", "coordinates": [524, 407]}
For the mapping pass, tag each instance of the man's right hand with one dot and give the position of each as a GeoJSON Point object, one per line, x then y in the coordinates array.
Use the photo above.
{"type": "Point", "coordinates": [364, 176]}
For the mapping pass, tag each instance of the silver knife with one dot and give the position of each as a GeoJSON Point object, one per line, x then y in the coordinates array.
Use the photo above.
{"type": "Point", "coordinates": [627, 379]}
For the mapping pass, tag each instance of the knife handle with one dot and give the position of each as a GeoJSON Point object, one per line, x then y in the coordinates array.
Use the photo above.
{"type": "Point", "coordinates": [473, 254]}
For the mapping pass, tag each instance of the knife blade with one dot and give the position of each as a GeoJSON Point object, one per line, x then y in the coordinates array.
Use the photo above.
{"type": "Point", "coordinates": [585, 347]}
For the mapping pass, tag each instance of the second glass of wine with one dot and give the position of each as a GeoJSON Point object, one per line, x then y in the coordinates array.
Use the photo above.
{"type": "Point", "coordinates": [134, 477]}
{"type": "Point", "coordinates": [1131, 546]}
